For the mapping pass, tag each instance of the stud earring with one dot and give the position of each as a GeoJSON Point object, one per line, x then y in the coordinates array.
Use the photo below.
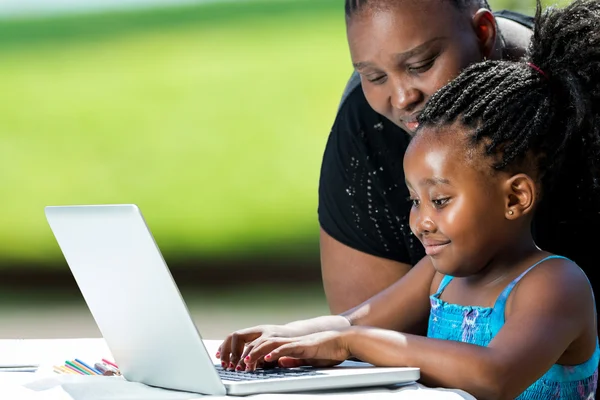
{"type": "Point", "coordinates": [510, 212]}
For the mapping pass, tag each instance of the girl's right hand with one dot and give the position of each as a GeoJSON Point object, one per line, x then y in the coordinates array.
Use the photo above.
{"type": "Point", "coordinates": [237, 345]}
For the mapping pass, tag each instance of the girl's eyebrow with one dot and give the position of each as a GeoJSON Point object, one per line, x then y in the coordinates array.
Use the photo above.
{"type": "Point", "coordinates": [404, 55]}
{"type": "Point", "coordinates": [435, 181]}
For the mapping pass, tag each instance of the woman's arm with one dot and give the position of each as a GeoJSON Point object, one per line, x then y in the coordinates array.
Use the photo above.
{"type": "Point", "coordinates": [350, 277]}
{"type": "Point", "coordinates": [404, 306]}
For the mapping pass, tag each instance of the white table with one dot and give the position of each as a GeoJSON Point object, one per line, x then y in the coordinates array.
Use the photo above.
{"type": "Point", "coordinates": [44, 384]}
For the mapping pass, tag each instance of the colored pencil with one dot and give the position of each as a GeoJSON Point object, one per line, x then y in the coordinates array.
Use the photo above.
{"type": "Point", "coordinates": [110, 363]}
{"type": "Point", "coordinates": [78, 368]}
{"type": "Point", "coordinates": [75, 370]}
{"type": "Point", "coordinates": [88, 366]}
{"type": "Point", "coordinates": [85, 367]}
{"type": "Point", "coordinates": [67, 370]}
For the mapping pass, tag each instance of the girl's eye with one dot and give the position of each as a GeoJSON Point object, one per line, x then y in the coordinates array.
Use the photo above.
{"type": "Point", "coordinates": [439, 203]}
{"type": "Point", "coordinates": [415, 202]}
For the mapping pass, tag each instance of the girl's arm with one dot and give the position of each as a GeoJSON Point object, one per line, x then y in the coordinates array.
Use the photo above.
{"type": "Point", "coordinates": [550, 309]}
{"type": "Point", "coordinates": [403, 306]}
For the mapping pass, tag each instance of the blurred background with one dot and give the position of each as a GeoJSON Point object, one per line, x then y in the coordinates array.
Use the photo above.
{"type": "Point", "coordinates": [212, 116]}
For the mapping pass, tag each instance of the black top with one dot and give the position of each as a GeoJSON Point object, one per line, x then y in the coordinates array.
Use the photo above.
{"type": "Point", "coordinates": [363, 202]}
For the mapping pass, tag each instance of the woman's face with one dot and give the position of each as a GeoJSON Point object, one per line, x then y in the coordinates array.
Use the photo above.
{"type": "Point", "coordinates": [406, 52]}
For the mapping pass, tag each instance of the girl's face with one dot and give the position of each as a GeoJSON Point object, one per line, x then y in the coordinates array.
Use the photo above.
{"type": "Point", "coordinates": [458, 210]}
{"type": "Point", "coordinates": [406, 52]}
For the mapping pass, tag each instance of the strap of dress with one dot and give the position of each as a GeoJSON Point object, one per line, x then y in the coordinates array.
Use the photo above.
{"type": "Point", "coordinates": [445, 281]}
{"type": "Point", "coordinates": [498, 319]}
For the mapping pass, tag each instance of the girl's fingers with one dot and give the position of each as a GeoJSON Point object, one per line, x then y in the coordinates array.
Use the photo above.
{"type": "Point", "coordinates": [294, 350]}
{"type": "Point", "coordinates": [224, 351]}
{"type": "Point", "coordinates": [242, 365]}
{"type": "Point", "coordinates": [266, 347]}
{"type": "Point", "coordinates": [290, 362]}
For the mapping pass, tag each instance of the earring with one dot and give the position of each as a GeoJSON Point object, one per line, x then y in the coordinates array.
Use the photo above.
{"type": "Point", "coordinates": [510, 212]}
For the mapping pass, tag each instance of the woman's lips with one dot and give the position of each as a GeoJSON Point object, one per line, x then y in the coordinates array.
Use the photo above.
{"type": "Point", "coordinates": [412, 125]}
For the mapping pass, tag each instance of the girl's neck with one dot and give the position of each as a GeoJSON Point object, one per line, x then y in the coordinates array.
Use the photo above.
{"type": "Point", "coordinates": [510, 260]}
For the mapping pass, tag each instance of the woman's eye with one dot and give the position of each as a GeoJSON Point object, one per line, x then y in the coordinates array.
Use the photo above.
{"type": "Point", "coordinates": [422, 67]}
{"type": "Point", "coordinates": [415, 202]}
{"type": "Point", "coordinates": [377, 80]}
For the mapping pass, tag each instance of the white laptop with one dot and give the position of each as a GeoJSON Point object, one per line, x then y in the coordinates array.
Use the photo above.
{"type": "Point", "coordinates": [145, 322]}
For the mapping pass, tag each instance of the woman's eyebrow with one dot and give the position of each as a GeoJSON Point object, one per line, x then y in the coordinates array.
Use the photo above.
{"type": "Point", "coordinates": [404, 55]}
{"type": "Point", "coordinates": [418, 49]}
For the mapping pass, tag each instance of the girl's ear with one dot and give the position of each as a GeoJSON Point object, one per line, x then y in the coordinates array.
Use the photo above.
{"type": "Point", "coordinates": [520, 194]}
{"type": "Point", "coordinates": [486, 30]}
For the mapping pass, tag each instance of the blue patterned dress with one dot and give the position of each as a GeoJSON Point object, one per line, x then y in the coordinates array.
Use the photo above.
{"type": "Point", "coordinates": [479, 325]}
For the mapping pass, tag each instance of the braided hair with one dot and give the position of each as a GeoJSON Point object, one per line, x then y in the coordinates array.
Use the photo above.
{"type": "Point", "coordinates": [353, 6]}
{"type": "Point", "coordinates": [546, 107]}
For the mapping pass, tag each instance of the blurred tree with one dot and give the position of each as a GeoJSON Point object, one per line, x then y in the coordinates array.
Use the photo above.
{"type": "Point", "coordinates": [525, 6]}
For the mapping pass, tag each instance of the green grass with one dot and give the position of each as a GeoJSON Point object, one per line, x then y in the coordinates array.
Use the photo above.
{"type": "Point", "coordinates": [213, 119]}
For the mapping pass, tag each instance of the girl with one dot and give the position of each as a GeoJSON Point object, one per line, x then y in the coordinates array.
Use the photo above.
{"type": "Point", "coordinates": [505, 318]}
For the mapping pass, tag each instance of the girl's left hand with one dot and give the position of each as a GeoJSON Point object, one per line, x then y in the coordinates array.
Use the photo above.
{"type": "Point", "coordinates": [322, 349]}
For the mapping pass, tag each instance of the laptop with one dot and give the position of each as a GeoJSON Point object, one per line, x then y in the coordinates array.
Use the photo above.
{"type": "Point", "coordinates": [146, 324]}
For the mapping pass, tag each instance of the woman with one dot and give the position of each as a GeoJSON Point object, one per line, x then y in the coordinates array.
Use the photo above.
{"type": "Point", "coordinates": [403, 51]}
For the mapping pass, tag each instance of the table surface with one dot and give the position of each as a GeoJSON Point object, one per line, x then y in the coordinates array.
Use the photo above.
{"type": "Point", "coordinates": [44, 384]}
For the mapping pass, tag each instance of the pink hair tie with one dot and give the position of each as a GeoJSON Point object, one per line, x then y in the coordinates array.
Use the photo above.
{"type": "Point", "coordinates": [538, 69]}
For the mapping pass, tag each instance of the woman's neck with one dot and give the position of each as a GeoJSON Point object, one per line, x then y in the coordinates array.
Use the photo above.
{"type": "Point", "coordinates": [512, 40]}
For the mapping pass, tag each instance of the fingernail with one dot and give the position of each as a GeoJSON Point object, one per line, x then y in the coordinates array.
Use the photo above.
{"type": "Point", "coordinates": [247, 358]}
{"type": "Point", "coordinates": [231, 365]}
{"type": "Point", "coordinates": [267, 356]}
{"type": "Point", "coordinates": [223, 364]}
{"type": "Point", "coordinates": [218, 354]}
{"type": "Point", "coordinates": [238, 368]}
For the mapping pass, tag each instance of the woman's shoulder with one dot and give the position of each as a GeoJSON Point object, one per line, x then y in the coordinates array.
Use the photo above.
{"type": "Point", "coordinates": [516, 30]}
{"type": "Point", "coordinates": [356, 122]}
{"type": "Point", "coordinates": [522, 19]}
{"type": "Point", "coordinates": [354, 112]}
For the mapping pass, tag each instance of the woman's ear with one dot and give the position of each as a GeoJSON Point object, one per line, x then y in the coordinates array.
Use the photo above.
{"type": "Point", "coordinates": [521, 196]}
{"type": "Point", "coordinates": [486, 30]}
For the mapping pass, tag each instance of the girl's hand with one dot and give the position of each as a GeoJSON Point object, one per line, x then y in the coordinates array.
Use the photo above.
{"type": "Point", "coordinates": [322, 349]}
{"type": "Point", "coordinates": [237, 345]}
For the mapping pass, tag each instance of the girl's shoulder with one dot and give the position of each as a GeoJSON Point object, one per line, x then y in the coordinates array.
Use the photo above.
{"type": "Point", "coordinates": [555, 283]}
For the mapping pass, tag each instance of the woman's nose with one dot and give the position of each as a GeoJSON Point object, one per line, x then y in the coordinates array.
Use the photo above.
{"type": "Point", "coordinates": [405, 98]}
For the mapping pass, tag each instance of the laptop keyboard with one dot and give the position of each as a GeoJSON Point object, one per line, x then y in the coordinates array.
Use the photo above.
{"type": "Point", "coordinates": [264, 374]}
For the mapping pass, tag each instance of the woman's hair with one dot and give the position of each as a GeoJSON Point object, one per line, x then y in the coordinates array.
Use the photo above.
{"type": "Point", "coordinates": [544, 108]}
{"type": "Point", "coordinates": [353, 6]}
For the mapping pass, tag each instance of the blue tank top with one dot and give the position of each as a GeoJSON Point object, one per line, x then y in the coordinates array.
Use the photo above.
{"type": "Point", "coordinates": [479, 325]}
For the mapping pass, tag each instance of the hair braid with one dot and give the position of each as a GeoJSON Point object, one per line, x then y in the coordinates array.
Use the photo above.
{"type": "Point", "coordinates": [549, 109]}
